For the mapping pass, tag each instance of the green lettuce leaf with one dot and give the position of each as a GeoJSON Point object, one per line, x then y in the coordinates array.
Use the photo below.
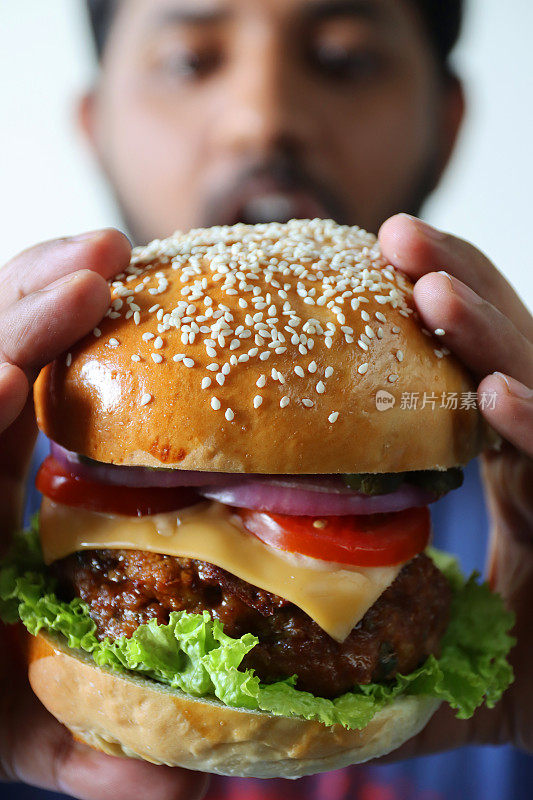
{"type": "Point", "coordinates": [193, 653]}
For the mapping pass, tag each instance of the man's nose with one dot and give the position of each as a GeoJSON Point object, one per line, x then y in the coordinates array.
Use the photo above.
{"type": "Point", "coordinates": [262, 109]}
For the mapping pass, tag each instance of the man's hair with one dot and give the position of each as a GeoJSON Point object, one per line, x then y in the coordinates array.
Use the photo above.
{"type": "Point", "coordinates": [442, 19]}
{"type": "Point", "coordinates": [101, 13]}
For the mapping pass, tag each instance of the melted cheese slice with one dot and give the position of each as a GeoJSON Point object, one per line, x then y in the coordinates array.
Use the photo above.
{"type": "Point", "coordinates": [335, 596]}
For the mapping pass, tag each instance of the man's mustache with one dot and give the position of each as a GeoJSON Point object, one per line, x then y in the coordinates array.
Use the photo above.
{"type": "Point", "coordinates": [285, 173]}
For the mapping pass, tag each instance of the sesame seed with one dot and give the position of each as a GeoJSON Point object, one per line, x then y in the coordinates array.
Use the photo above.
{"type": "Point", "coordinates": [215, 403]}
{"type": "Point", "coordinates": [135, 357]}
{"type": "Point", "coordinates": [157, 358]}
{"type": "Point", "coordinates": [312, 366]}
{"type": "Point", "coordinates": [114, 342]}
{"type": "Point", "coordinates": [220, 378]}
{"type": "Point", "coordinates": [97, 332]}
{"type": "Point", "coordinates": [284, 402]}
{"type": "Point", "coordinates": [68, 360]}
{"type": "Point", "coordinates": [178, 357]}
{"type": "Point", "coordinates": [399, 355]}
{"type": "Point", "coordinates": [257, 400]}
{"type": "Point", "coordinates": [307, 402]}
{"type": "Point", "coordinates": [188, 362]}
{"type": "Point", "coordinates": [320, 387]}
{"type": "Point", "coordinates": [206, 383]}
{"type": "Point", "coordinates": [145, 399]}
{"type": "Point", "coordinates": [230, 416]}
{"type": "Point", "coordinates": [278, 273]}
{"type": "Point", "coordinates": [440, 332]}
{"type": "Point", "coordinates": [392, 378]}
{"type": "Point", "coordinates": [261, 381]}
{"type": "Point", "coordinates": [395, 329]}
{"type": "Point", "coordinates": [333, 417]}
{"type": "Point", "coordinates": [362, 368]}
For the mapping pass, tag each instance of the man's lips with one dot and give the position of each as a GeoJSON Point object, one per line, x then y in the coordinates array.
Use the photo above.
{"type": "Point", "coordinates": [266, 201]}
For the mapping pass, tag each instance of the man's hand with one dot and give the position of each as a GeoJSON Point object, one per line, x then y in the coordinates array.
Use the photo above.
{"type": "Point", "coordinates": [491, 331]}
{"type": "Point", "coordinates": [50, 296]}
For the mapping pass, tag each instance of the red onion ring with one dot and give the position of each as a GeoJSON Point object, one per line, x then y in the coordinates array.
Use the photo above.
{"type": "Point", "coordinates": [295, 495]}
{"type": "Point", "coordinates": [278, 499]}
{"type": "Point", "coordinates": [137, 477]}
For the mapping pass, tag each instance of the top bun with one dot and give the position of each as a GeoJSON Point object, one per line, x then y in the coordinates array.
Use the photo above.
{"type": "Point", "coordinates": [262, 348]}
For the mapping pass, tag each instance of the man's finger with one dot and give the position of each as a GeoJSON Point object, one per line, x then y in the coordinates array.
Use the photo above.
{"type": "Point", "coordinates": [511, 412]}
{"type": "Point", "coordinates": [14, 388]}
{"type": "Point", "coordinates": [480, 335]}
{"type": "Point", "coordinates": [106, 252]}
{"type": "Point", "coordinates": [14, 447]}
{"type": "Point", "coordinates": [36, 329]}
{"type": "Point", "coordinates": [416, 248]}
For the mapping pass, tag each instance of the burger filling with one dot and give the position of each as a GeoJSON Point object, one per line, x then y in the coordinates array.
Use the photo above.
{"type": "Point", "coordinates": [307, 596]}
{"type": "Point", "coordinates": [401, 602]}
{"type": "Point", "coordinates": [125, 588]}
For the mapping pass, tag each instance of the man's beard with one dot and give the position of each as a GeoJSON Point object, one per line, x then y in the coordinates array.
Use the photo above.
{"type": "Point", "coordinates": [287, 173]}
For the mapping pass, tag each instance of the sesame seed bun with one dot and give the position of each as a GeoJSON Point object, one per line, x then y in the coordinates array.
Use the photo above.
{"type": "Point", "coordinates": [263, 349]}
{"type": "Point", "coordinates": [127, 715]}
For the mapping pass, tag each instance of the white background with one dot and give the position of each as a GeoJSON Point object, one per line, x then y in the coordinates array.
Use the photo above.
{"type": "Point", "coordinates": [49, 187]}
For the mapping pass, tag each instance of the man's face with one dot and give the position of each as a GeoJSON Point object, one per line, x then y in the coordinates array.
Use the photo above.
{"type": "Point", "coordinates": [217, 111]}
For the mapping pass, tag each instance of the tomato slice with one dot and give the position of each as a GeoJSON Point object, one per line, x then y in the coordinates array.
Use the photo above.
{"type": "Point", "coordinates": [62, 486]}
{"type": "Point", "coordinates": [370, 540]}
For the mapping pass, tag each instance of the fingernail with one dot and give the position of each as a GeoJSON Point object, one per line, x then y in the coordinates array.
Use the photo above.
{"type": "Point", "coordinates": [427, 230]}
{"type": "Point", "coordinates": [85, 237]}
{"type": "Point", "coordinates": [515, 388]}
{"type": "Point", "coordinates": [446, 275]}
{"type": "Point", "coordinates": [465, 292]}
{"type": "Point", "coordinates": [4, 365]}
{"type": "Point", "coordinates": [66, 279]}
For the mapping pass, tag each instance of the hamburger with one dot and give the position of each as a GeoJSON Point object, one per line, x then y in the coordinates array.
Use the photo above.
{"type": "Point", "coordinates": [231, 570]}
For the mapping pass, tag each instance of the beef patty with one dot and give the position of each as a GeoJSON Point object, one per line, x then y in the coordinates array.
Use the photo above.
{"type": "Point", "coordinates": [124, 588]}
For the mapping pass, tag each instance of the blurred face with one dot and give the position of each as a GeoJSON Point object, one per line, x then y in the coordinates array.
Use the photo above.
{"type": "Point", "coordinates": [218, 111]}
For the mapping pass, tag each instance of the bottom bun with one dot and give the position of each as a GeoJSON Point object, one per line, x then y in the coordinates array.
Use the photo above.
{"type": "Point", "coordinates": [127, 715]}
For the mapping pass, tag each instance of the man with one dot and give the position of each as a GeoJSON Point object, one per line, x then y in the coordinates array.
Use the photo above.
{"type": "Point", "coordinates": [213, 111]}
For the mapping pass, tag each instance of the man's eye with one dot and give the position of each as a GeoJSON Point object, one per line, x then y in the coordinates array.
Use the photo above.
{"type": "Point", "coordinates": [189, 64]}
{"type": "Point", "coordinates": [342, 63]}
